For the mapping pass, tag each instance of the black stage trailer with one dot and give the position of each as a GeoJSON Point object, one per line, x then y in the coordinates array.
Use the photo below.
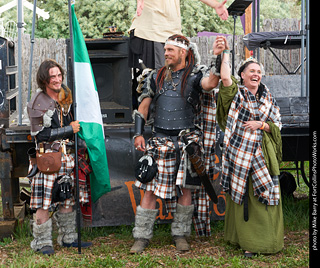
{"type": "Point", "coordinates": [109, 58]}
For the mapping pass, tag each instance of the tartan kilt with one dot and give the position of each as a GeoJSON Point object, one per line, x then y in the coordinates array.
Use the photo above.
{"type": "Point", "coordinates": [168, 182]}
{"type": "Point", "coordinates": [42, 185]}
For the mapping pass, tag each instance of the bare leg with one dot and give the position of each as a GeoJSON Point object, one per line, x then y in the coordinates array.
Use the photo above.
{"type": "Point", "coordinates": [149, 200]}
{"type": "Point", "coordinates": [65, 210]}
{"type": "Point", "coordinates": [42, 216]}
{"type": "Point", "coordinates": [185, 199]}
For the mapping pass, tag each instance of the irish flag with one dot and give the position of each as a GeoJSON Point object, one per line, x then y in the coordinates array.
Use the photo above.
{"type": "Point", "coordinates": [89, 113]}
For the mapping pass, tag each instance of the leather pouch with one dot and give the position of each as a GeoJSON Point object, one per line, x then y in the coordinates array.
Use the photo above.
{"type": "Point", "coordinates": [50, 162]}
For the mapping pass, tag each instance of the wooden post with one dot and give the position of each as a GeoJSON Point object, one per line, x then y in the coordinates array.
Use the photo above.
{"type": "Point", "coordinates": [248, 26]}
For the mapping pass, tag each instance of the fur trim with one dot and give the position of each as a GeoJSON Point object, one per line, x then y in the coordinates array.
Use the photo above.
{"type": "Point", "coordinates": [138, 113]}
{"type": "Point", "coordinates": [47, 117]}
{"type": "Point", "coordinates": [195, 50]}
{"type": "Point", "coordinates": [65, 99]}
{"type": "Point", "coordinates": [42, 235]}
{"type": "Point", "coordinates": [149, 93]}
{"type": "Point", "coordinates": [66, 223]}
{"type": "Point", "coordinates": [144, 222]}
{"type": "Point", "coordinates": [182, 221]}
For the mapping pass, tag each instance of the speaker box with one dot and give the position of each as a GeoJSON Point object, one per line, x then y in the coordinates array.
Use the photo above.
{"type": "Point", "coordinates": [109, 61]}
{"type": "Point", "coordinates": [8, 89]}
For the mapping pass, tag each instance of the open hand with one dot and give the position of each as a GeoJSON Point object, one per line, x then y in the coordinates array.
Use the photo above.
{"type": "Point", "coordinates": [222, 11]}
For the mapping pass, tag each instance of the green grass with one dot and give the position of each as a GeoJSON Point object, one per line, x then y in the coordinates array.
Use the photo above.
{"type": "Point", "coordinates": [111, 246]}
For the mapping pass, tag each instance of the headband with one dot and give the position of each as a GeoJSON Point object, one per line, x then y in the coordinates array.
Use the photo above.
{"type": "Point", "coordinates": [177, 43]}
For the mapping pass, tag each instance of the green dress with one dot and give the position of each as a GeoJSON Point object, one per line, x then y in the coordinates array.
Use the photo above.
{"type": "Point", "coordinates": [263, 232]}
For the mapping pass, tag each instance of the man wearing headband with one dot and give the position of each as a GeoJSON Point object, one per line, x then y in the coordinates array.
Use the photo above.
{"type": "Point", "coordinates": [154, 21]}
{"type": "Point", "coordinates": [180, 100]}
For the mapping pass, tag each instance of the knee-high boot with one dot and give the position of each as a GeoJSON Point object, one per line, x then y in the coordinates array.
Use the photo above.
{"type": "Point", "coordinates": [143, 230]}
{"type": "Point", "coordinates": [181, 226]}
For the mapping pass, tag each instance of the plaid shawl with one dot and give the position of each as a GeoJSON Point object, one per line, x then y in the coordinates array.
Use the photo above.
{"type": "Point", "coordinates": [162, 149]}
{"type": "Point", "coordinates": [242, 154]}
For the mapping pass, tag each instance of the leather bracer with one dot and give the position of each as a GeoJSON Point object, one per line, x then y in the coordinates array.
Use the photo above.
{"type": "Point", "coordinates": [139, 123]}
{"type": "Point", "coordinates": [61, 133]}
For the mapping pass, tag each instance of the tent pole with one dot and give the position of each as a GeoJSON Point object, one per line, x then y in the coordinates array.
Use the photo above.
{"type": "Point", "coordinates": [303, 90]}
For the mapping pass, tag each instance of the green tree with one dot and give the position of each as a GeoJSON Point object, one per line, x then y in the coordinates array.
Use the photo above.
{"type": "Point", "coordinates": [95, 16]}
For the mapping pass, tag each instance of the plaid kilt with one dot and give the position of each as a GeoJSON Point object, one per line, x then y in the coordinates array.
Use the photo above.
{"type": "Point", "coordinates": [42, 185]}
{"type": "Point", "coordinates": [163, 152]}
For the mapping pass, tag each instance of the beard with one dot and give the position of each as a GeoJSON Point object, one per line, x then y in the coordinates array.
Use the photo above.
{"type": "Point", "coordinates": [170, 67]}
{"type": "Point", "coordinates": [168, 73]}
{"type": "Point", "coordinates": [57, 90]}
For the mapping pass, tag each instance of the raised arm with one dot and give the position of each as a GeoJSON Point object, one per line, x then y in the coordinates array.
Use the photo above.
{"type": "Point", "coordinates": [219, 7]}
{"type": "Point", "coordinates": [210, 82]}
{"type": "Point", "coordinates": [140, 5]}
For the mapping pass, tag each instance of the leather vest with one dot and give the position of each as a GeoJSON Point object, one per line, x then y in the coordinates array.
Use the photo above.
{"type": "Point", "coordinates": [172, 110]}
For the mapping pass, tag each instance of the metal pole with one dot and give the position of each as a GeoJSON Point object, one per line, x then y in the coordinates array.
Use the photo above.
{"type": "Point", "coordinates": [258, 27]}
{"type": "Point", "coordinates": [253, 21]}
{"type": "Point", "coordinates": [308, 47]}
{"type": "Point", "coordinates": [31, 50]}
{"type": "Point", "coordinates": [234, 34]}
{"type": "Point", "coordinates": [76, 135]}
{"type": "Point", "coordinates": [303, 90]}
{"type": "Point", "coordinates": [20, 27]}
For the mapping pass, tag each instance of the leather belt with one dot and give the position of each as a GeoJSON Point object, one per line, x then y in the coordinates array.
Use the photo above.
{"type": "Point", "coordinates": [54, 146]}
{"type": "Point", "coordinates": [172, 134]}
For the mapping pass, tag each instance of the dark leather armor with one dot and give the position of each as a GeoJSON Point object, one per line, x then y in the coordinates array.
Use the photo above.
{"type": "Point", "coordinates": [173, 111]}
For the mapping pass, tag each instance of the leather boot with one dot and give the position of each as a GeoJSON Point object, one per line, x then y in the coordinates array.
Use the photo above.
{"type": "Point", "coordinates": [181, 226]}
{"type": "Point", "coordinates": [143, 230]}
{"type": "Point", "coordinates": [42, 241]}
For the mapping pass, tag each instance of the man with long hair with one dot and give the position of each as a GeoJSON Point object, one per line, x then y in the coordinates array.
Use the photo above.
{"type": "Point", "coordinates": [181, 101]}
{"type": "Point", "coordinates": [53, 129]}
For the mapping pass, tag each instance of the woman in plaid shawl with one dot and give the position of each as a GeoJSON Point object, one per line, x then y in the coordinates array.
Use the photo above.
{"type": "Point", "coordinates": [250, 117]}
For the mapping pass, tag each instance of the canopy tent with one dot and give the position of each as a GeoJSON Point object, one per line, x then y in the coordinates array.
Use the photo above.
{"type": "Point", "coordinates": [304, 30]}
{"type": "Point", "coordinates": [278, 40]}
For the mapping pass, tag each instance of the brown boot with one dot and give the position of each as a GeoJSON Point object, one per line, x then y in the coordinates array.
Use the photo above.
{"type": "Point", "coordinates": [181, 243]}
{"type": "Point", "coordinates": [139, 245]}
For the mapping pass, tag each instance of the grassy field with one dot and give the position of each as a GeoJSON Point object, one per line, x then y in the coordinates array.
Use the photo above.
{"type": "Point", "coordinates": [111, 246]}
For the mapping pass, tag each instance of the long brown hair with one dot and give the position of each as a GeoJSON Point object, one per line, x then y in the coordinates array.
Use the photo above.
{"type": "Point", "coordinates": [190, 60]}
{"type": "Point", "coordinates": [43, 77]}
